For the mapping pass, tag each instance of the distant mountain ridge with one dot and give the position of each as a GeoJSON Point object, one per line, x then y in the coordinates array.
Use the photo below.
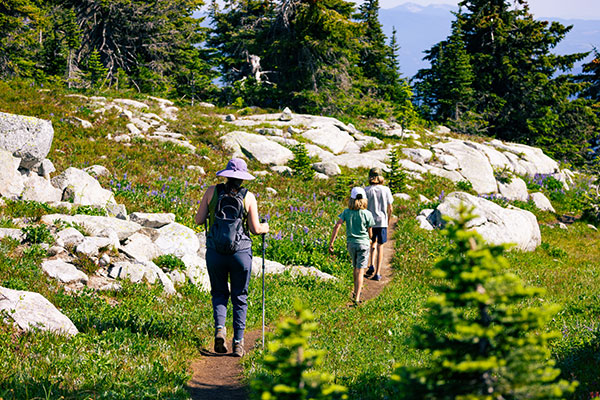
{"type": "Point", "coordinates": [419, 27]}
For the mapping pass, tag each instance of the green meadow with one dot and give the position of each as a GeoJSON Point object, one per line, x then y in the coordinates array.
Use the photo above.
{"type": "Point", "coordinates": [138, 342]}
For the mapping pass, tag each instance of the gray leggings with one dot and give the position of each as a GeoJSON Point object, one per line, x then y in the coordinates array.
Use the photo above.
{"type": "Point", "coordinates": [237, 268]}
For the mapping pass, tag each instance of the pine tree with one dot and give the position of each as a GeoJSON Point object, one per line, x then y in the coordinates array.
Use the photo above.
{"type": "Point", "coordinates": [446, 87]}
{"type": "Point", "coordinates": [396, 177]}
{"type": "Point", "coordinates": [485, 339]}
{"type": "Point", "coordinates": [96, 71]}
{"type": "Point", "coordinates": [517, 91]}
{"type": "Point", "coordinates": [19, 37]}
{"type": "Point", "coordinates": [293, 367]}
{"type": "Point", "coordinates": [301, 164]}
{"type": "Point", "coordinates": [591, 75]}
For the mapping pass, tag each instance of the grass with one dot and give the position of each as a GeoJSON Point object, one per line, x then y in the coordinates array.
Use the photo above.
{"type": "Point", "coordinates": [137, 343]}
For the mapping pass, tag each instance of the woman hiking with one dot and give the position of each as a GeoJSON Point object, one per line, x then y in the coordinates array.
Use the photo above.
{"type": "Point", "coordinates": [231, 212]}
{"type": "Point", "coordinates": [380, 202]}
{"type": "Point", "coordinates": [358, 231]}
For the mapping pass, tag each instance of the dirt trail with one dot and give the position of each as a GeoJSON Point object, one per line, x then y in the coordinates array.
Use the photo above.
{"type": "Point", "coordinates": [219, 376]}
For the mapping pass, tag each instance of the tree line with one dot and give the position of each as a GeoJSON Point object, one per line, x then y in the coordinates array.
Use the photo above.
{"type": "Point", "coordinates": [494, 75]}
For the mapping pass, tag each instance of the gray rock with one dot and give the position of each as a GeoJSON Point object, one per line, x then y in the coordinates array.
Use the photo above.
{"type": "Point", "coordinates": [63, 271]}
{"type": "Point", "coordinates": [327, 168]}
{"type": "Point", "coordinates": [286, 115]}
{"type": "Point", "coordinates": [281, 170]}
{"type": "Point", "coordinates": [177, 239]}
{"type": "Point", "coordinates": [474, 166]}
{"type": "Point", "coordinates": [423, 199]}
{"type": "Point", "coordinates": [329, 136]}
{"type": "Point", "coordinates": [197, 168]}
{"type": "Point", "coordinates": [15, 234]}
{"type": "Point", "coordinates": [317, 152]}
{"type": "Point", "coordinates": [183, 143]}
{"type": "Point", "coordinates": [31, 310]}
{"type": "Point", "coordinates": [403, 196]}
{"type": "Point", "coordinates": [257, 146]}
{"type": "Point", "coordinates": [563, 226]}
{"type": "Point", "coordinates": [46, 168]}
{"type": "Point", "coordinates": [27, 138]}
{"type": "Point", "coordinates": [91, 245]}
{"type": "Point", "coordinates": [82, 188]}
{"type": "Point", "coordinates": [515, 190]}
{"type": "Point", "coordinates": [69, 237]}
{"type": "Point", "coordinates": [143, 126]}
{"type": "Point", "coordinates": [81, 122]}
{"type": "Point", "coordinates": [177, 277]}
{"type": "Point", "coordinates": [152, 220]}
{"type": "Point", "coordinates": [11, 181]}
{"type": "Point", "coordinates": [271, 131]}
{"type": "Point", "coordinates": [495, 224]}
{"type": "Point", "coordinates": [319, 175]}
{"type": "Point", "coordinates": [205, 105]}
{"type": "Point", "coordinates": [39, 189]}
{"type": "Point", "coordinates": [541, 202]}
{"type": "Point", "coordinates": [98, 171]}
{"type": "Point", "coordinates": [273, 267]}
{"type": "Point", "coordinates": [165, 281]}
{"type": "Point", "coordinates": [592, 227]}
{"type": "Point", "coordinates": [131, 103]}
{"type": "Point", "coordinates": [134, 272]}
{"type": "Point", "coordinates": [424, 223]}
{"type": "Point", "coordinates": [141, 248]}
{"type": "Point", "coordinates": [420, 156]}
{"type": "Point", "coordinates": [271, 192]}
{"type": "Point", "coordinates": [369, 159]}
{"type": "Point", "coordinates": [230, 118]}
{"type": "Point", "coordinates": [412, 166]}
{"type": "Point", "coordinates": [116, 210]}
{"type": "Point", "coordinates": [96, 225]}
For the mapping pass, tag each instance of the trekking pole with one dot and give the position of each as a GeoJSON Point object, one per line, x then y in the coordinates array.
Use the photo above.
{"type": "Point", "coordinates": [263, 286]}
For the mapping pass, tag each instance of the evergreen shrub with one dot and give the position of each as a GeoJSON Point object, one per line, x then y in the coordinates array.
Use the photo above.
{"type": "Point", "coordinates": [484, 337]}
{"type": "Point", "coordinates": [293, 367]}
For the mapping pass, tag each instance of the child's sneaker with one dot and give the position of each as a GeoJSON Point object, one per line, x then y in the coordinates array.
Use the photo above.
{"type": "Point", "coordinates": [376, 277]}
{"type": "Point", "coordinates": [370, 271]}
{"type": "Point", "coordinates": [220, 335]}
{"type": "Point", "coordinates": [238, 348]}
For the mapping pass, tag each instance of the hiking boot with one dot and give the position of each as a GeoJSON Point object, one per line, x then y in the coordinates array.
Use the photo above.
{"type": "Point", "coordinates": [376, 277]}
{"type": "Point", "coordinates": [238, 348]}
{"type": "Point", "coordinates": [220, 336]}
{"type": "Point", "coordinates": [370, 271]}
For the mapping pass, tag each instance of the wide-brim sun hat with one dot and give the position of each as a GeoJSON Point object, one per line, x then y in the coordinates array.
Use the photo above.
{"type": "Point", "coordinates": [358, 191]}
{"type": "Point", "coordinates": [236, 168]}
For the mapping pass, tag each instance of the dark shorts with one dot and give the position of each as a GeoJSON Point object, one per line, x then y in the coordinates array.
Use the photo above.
{"type": "Point", "coordinates": [379, 235]}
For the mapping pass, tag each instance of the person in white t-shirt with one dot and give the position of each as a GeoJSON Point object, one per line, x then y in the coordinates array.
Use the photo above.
{"type": "Point", "coordinates": [380, 201]}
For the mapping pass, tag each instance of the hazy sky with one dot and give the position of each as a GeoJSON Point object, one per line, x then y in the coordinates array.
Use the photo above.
{"type": "Point", "coordinates": [584, 9]}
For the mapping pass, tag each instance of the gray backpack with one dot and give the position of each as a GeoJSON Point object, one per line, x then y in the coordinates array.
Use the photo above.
{"type": "Point", "coordinates": [227, 229]}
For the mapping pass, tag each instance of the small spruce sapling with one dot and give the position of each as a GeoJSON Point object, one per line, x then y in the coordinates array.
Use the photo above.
{"type": "Point", "coordinates": [301, 163]}
{"type": "Point", "coordinates": [396, 177]}
{"type": "Point", "coordinates": [292, 367]}
{"type": "Point", "coordinates": [485, 339]}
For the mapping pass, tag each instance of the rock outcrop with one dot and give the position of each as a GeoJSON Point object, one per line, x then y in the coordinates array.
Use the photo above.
{"type": "Point", "coordinates": [496, 224]}
{"type": "Point", "coordinates": [27, 138]}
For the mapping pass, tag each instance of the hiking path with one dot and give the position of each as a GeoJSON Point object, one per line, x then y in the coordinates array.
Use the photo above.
{"type": "Point", "coordinates": [219, 376]}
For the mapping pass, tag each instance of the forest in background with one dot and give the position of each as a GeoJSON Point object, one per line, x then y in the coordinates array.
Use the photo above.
{"type": "Point", "coordinates": [495, 75]}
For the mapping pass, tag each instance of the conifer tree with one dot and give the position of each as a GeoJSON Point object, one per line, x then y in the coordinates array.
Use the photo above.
{"type": "Point", "coordinates": [485, 338]}
{"type": "Point", "coordinates": [446, 87]}
{"type": "Point", "coordinates": [293, 367]}
{"type": "Point", "coordinates": [517, 89]}
{"type": "Point", "coordinates": [19, 37]}
{"type": "Point", "coordinates": [591, 75]}
{"type": "Point", "coordinates": [96, 72]}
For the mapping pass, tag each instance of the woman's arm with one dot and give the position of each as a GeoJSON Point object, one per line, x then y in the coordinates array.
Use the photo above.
{"type": "Point", "coordinates": [202, 213]}
{"type": "Point", "coordinates": [336, 229]}
{"type": "Point", "coordinates": [255, 226]}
